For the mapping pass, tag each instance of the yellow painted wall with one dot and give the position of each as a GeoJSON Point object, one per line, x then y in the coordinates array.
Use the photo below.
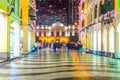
{"type": "Point", "coordinates": [116, 5]}
{"type": "Point", "coordinates": [3, 33]}
{"type": "Point", "coordinates": [24, 3]}
{"type": "Point", "coordinates": [24, 12]}
{"type": "Point", "coordinates": [86, 13]}
{"type": "Point", "coordinates": [50, 39]}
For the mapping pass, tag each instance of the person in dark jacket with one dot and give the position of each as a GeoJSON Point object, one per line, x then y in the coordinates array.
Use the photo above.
{"type": "Point", "coordinates": [55, 46]}
{"type": "Point", "coordinates": [79, 46]}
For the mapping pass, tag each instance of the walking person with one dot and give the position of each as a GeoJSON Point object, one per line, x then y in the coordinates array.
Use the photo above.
{"type": "Point", "coordinates": [55, 46]}
{"type": "Point", "coordinates": [79, 46]}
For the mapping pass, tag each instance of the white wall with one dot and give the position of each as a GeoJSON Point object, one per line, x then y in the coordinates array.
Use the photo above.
{"type": "Point", "coordinates": [3, 33]}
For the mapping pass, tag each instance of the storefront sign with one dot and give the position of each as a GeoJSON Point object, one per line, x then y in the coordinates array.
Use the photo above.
{"type": "Point", "coordinates": [112, 13]}
{"type": "Point", "coordinates": [119, 5]}
{"type": "Point", "coordinates": [105, 16]}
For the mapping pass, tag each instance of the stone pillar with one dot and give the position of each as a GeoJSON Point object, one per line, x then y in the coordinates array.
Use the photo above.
{"type": "Point", "coordinates": [33, 37]}
{"type": "Point", "coordinates": [25, 40]}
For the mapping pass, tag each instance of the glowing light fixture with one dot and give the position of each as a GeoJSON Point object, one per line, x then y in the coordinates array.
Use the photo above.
{"type": "Point", "coordinates": [42, 35]}
{"type": "Point", "coordinates": [66, 27]}
{"type": "Point", "coordinates": [37, 27]}
{"type": "Point", "coordinates": [46, 27]}
{"type": "Point", "coordinates": [49, 27]}
{"type": "Point", "coordinates": [73, 34]}
{"type": "Point", "coordinates": [37, 33]}
{"type": "Point", "coordinates": [73, 27]}
{"type": "Point", "coordinates": [42, 27]}
{"type": "Point", "coordinates": [69, 26]}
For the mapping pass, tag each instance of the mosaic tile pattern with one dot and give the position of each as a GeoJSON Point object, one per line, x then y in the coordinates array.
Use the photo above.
{"type": "Point", "coordinates": [62, 65]}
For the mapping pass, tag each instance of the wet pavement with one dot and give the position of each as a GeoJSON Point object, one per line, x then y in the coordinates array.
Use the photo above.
{"type": "Point", "coordinates": [61, 65]}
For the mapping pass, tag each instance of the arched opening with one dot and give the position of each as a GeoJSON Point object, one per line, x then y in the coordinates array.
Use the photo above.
{"type": "Point", "coordinates": [105, 40]}
{"type": "Point", "coordinates": [83, 23]}
{"type": "Point", "coordinates": [92, 40]}
{"type": "Point", "coordinates": [14, 40]}
{"type": "Point", "coordinates": [111, 40]}
{"type": "Point", "coordinates": [83, 5]}
{"type": "Point", "coordinates": [95, 42]}
{"type": "Point", "coordinates": [118, 41]}
{"type": "Point", "coordinates": [100, 10]}
{"type": "Point", "coordinates": [29, 41]}
{"type": "Point", "coordinates": [99, 40]}
{"type": "Point", "coordinates": [3, 37]}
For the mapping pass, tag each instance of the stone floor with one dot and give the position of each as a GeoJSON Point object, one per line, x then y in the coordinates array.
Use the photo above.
{"type": "Point", "coordinates": [61, 65]}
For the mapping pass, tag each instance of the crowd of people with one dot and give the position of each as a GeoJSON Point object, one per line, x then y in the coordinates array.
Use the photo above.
{"type": "Point", "coordinates": [57, 46]}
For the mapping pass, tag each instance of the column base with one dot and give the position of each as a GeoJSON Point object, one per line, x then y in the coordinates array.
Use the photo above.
{"type": "Point", "coordinates": [118, 55]}
{"type": "Point", "coordinates": [25, 52]}
{"type": "Point", "coordinates": [3, 56]}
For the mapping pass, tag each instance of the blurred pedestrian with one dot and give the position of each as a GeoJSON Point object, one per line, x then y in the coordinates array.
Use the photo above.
{"type": "Point", "coordinates": [79, 46]}
{"type": "Point", "coordinates": [55, 46]}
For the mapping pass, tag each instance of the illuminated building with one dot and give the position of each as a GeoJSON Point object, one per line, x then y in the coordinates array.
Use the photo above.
{"type": "Point", "coordinates": [50, 12]}
{"type": "Point", "coordinates": [99, 26]}
{"type": "Point", "coordinates": [55, 32]}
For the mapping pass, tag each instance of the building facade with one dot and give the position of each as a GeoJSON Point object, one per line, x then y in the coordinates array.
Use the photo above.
{"type": "Point", "coordinates": [3, 30]}
{"type": "Point", "coordinates": [55, 32]}
{"type": "Point", "coordinates": [28, 25]}
{"type": "Point", "coordinates": [10, 29]}
{"type": "Point", "coordinates": [99, 26]}
{"type": "Point", "coordinates": [13, 16]}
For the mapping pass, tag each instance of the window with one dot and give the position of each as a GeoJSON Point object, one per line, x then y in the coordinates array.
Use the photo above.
{"type": "Point", "coordinates": [39, 33]}
{"type": "Point", "coordinates": [70, 33]}
{"type": "Point", "coordinates": [95, 13]}
{"type": "Point", "coordinates": [57, 34]}
{"type": "Point", "coordinates": [111, 5]}
{"type": "Point", "coordinates": [52, 33]}
{"type": "Point", "coordinates": [17, 7]}
{"type": "Point", "coordinates": [63, 33]}
{"type": "Point", "coordinates": [83, 23]}
{"type": "Point", "coordinates": [44, 33]}
{"type": "Point", "coordinates": [83, 5]}
{"type": "Point", "coordinates": [106, 6]}
{"type": "Point", "coordinates": [101, 8]}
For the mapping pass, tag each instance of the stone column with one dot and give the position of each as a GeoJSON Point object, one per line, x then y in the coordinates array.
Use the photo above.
{"type": "Point", "coordinates": [33, 37]}
{"type": "Point", "coordinates": [25, 40]}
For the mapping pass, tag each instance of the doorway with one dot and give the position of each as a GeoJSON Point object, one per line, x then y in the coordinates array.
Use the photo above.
{"type": "Point", "coordinates": [14, 40]}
